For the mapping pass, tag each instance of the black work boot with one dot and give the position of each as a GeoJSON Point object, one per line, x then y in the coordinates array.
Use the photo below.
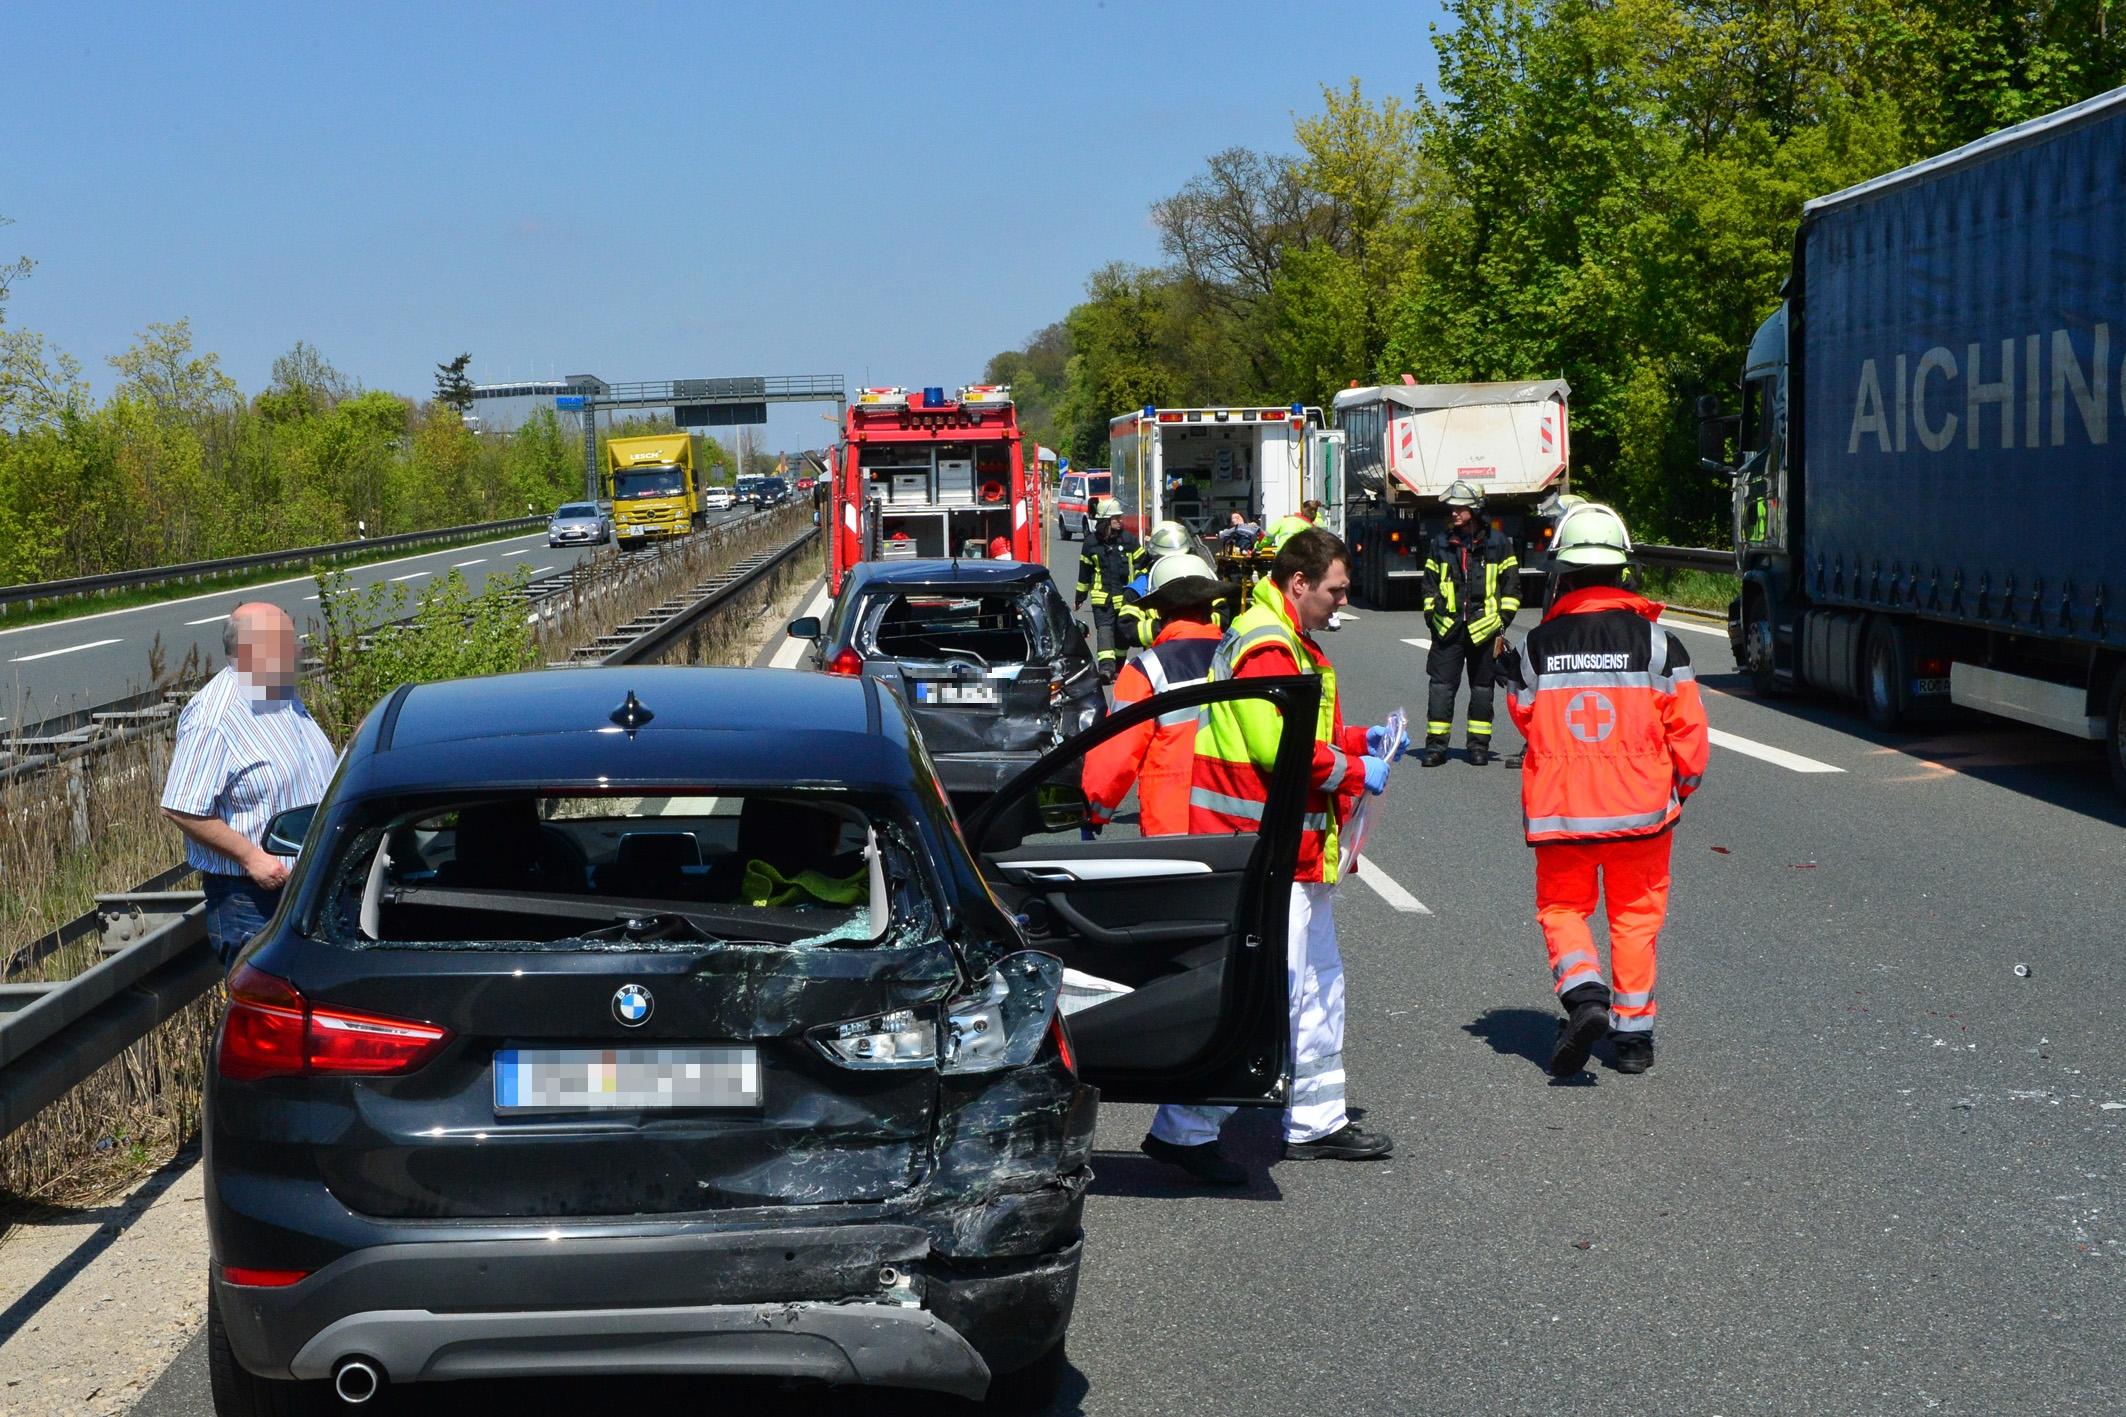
{"type": "Point", "coordinates": [1346, 1143]}
{"type": "Point", "coordinates": [1577, 1037]}
{"type": "Point", "coordinates": [1435, 754]}
{"type": "Point", "coordinates": [1203, 1161]}
{"type": "Point", "coordinates": [1635, 1052]}
{"type": "Point", "coordinates": [1479, 752]}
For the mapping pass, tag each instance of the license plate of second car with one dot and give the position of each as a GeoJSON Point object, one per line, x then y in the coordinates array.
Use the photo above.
{"type": "Point", "coordinates": [625, 1079]}
{"type": "Point", "coordinates": [942, 693]}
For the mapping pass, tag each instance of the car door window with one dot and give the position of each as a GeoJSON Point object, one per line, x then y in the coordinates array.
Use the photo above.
{"type": "Point", "coordinates": [1172, 940]}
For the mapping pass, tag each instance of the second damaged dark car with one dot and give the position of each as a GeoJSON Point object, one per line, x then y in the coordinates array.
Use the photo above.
{"type": "Point", "coordinates": [665, 1021]}
{"type": "Point", "coordinates": [985, 653]}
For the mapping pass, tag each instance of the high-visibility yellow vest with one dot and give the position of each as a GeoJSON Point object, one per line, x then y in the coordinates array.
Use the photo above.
{"type": "Point", "coordinates": [1237, 741]}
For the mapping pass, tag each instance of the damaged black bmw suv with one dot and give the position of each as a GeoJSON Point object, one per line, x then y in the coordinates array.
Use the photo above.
{"type": "Point", "coordinates": [665, 1021]}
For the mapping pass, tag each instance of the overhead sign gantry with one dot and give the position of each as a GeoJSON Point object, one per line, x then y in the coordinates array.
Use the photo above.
{"type": "Point", "coordinates": [695, 403]}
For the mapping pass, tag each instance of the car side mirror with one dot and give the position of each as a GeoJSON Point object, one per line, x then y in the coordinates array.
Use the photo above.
{"type": "Point", "coordinates": [285, 833]}
{"type": "Point", "coordinates": [804, 627]}
{"type": "Point", "coordinates": [1063, 806]}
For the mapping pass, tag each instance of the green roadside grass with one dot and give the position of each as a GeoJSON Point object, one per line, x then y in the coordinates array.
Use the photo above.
{"type": "Point", "coordinates": [1690, 590]}
{"type": "Point", "coordinates": [72, 607]}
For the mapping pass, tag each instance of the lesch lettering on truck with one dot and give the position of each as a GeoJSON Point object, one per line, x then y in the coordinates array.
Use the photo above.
{"type": "Point", "coordinates": [1916, 409]}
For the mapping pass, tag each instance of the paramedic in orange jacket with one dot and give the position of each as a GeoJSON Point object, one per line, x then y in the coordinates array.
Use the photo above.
{"type": "Point", "coordinates": [1617, 739]}
{"type": "Point", "coordinates": [1158, 755]}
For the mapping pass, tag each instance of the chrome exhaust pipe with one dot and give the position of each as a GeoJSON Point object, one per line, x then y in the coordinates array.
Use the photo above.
{"type": "Point", "coordinates": [356, 1380]}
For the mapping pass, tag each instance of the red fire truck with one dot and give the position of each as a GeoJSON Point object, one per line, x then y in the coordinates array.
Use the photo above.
{"type": "Point", "coordinates": [918, 474]}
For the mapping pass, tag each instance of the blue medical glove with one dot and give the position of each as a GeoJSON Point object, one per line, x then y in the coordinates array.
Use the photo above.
{"type": "Point", "coordinates": [1378, 745]}
{"type": "Point", "coordinates": [1376, 774]}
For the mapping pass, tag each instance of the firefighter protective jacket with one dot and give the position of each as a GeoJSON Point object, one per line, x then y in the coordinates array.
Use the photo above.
{"type": "Point", "coordinates": [1471, 583]}
{"type": "Point", "coordinates": [1158, 754]}
{"type": "Point", "coordinates": [1617, 735]}
{"type": "Point", "coordinates": [1236, 741]}
{"type": "Point", "coordinates": [1105, 568]}
{"type": "Point", "coordinates": [1141, 624]}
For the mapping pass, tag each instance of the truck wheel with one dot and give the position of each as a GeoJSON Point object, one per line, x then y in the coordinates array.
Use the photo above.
{"type": "Point", "coordinates": [1886, 673]}
{"type": "Point", "coordinates": [2115, 736]}
{"type": "Point", "coordinates": [1756, 656]}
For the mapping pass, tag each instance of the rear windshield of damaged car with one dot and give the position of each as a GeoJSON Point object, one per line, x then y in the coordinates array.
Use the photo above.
{"type": "Point", "coordinates": [983, 629]}
{"type": "Point", "coordinates": [605, 870]}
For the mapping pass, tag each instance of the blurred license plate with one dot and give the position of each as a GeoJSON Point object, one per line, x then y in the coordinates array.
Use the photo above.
{"type": "Point", "coordinates": [955, 693]}
{"type": "Point", "coordinates": [625, 1079]}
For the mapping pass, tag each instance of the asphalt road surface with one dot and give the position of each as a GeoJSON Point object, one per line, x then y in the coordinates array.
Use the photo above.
{"type": "Point", "coordinates": [1874, 1170]}
{"type": "Point", "coordinates": [63, 665]}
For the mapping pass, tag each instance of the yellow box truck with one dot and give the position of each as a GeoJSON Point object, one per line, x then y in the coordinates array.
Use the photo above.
{"type": "Point", "coordinates": [652, 486]}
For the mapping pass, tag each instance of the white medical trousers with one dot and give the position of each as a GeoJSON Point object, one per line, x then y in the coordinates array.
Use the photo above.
{"type": "Point", "coordinates": [1314, 975]}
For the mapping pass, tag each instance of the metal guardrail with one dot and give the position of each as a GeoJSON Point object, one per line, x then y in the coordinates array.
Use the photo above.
{"type": "Point", "coordinates": [35, 591]}
{"type": "Point", "coordinates": [156, 961]}
{"type": "Point", "coordinates": [651, 642]}
{"type": "Point", "coordinates": [1686, 558]}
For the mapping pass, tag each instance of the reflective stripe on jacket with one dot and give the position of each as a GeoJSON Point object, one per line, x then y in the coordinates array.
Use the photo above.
{"type": "Point", "coordinates": [1105, 568]}
{"type": "Point", "coordinates": [1474, 583]}
{"type": "Point", "coordinates": [1237, 740]}
{"type": "Point", "coordinates": [1157, 755]}
{"type": "Point", "coordinates": [1141, 624]}
{"type": "Point", "coordinates": [1617, 735]}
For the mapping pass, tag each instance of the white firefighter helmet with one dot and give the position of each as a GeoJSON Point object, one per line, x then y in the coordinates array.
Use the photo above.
{"type": "Point", "coordinates": [1108, 507]}
{"type": "Point", "coordinates": [1591, 535]}
{"type": "Point", "coordinates": [1463, 494]}
{"type": "Point", "coordinates": [1184, 578]}
{"type": "Point", "coordinates": [1168, 539]}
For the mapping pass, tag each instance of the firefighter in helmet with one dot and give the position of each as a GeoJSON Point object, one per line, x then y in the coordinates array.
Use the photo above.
{"type": "Point", "coordinates": [1137, 618]}
{"type": "Point", "coordinates": [1110, 561]}
{"type": "Point", "coordinates": [1472, 591]}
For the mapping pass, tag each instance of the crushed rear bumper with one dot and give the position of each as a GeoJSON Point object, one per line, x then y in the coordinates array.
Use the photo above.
{"type": "Point", "coordinates": [870, 1304]}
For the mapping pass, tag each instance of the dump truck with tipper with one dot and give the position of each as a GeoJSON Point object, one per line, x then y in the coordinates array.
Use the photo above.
{"type": "Point", "coordinates": [651, 483]}
{"type": "Point", "coordinates": [1405, 444]}
{"type": "Point", "coordinates": [1930, 459]}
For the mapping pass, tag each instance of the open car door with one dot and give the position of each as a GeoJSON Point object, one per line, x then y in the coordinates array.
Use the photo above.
{"type": "Point", "coordinates": [1173, 946]}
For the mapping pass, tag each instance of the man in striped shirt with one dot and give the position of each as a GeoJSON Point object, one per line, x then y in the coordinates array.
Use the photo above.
{"type": "Point", "coordinates": [247, 749]}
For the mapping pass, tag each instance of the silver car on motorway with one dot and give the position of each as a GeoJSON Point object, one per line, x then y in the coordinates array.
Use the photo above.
{"type": "Point", "coordinates": [579, 524]}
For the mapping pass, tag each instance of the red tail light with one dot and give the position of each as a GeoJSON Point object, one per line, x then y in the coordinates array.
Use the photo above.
{"type": "Point", "coordinates": [846, 661]}
{"type": "Point", "coordinates": [1934, 667]}
{"type": "Point", "coordinates": [272, 1031]}
{"type": "Point", "coordinates": [1061, 1031]}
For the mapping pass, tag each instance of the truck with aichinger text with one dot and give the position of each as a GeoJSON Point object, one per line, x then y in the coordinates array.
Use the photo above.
{"type": "Point", "coordinates": [651, 483]}
{"type": "Point", "coordinates": [1930, 458]}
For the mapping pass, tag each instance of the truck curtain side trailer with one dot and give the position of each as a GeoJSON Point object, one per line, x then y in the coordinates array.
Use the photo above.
{"type": "Point", "coordinates": [1933, 439]}
{"type": "Point", "coordinates": [1406, 444]}
{"type": "Point", "coordinates": [920, 475]}
{"type": "Point", "coordinates": [650, 481]}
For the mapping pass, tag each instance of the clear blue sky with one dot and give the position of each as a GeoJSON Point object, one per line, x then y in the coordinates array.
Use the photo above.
{"type": "Point", "coordinates": [887, 192]}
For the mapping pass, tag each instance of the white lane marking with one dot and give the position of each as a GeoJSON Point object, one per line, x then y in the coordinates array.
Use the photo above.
{"type": "Point", "coordinates": [1694, 627]}
{"type": "Point", "coordinates": [540, 570]}
{"type": "Point", "coordinates": [70, 649]}
{"type": "Point", "coordinates": [1750, 748]}
{"type": "Point", "coordinates": [210, 620]}
{"type": "Point", "coordinates": [475, 561]}
{"type": "Point", "coordinates": [790, 651]}
{"type": "Point", "coordinates": [1385, 887]}
{"type": "Point", "coordinates": [242, 590]}
{"type": "Point", "coordinates": [1421, 644]}
{"type": "Point", "coordinates": [309, 597]}
{"type": "Point", "coordinates": [413, 575]}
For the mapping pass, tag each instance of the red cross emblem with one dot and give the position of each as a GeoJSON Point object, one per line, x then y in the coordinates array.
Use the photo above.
{"type": "Point", "coordinates": [1590, 717]}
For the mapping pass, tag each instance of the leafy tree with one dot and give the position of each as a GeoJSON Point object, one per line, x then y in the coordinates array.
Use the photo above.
{"type": "Point", "coordinates": [452, 633]}
{"type": "Point", "coordinates": [453, 386]}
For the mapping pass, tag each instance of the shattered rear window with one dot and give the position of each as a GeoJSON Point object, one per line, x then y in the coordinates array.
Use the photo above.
{"type": "Point", "coordinates": [988, 629]}
{"type": "Point", "coordinates": [592, 869]}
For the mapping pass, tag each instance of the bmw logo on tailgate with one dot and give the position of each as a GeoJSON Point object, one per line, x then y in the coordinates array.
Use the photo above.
{"type": "Point", "coordinates": [632, 1005]}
